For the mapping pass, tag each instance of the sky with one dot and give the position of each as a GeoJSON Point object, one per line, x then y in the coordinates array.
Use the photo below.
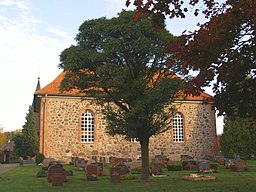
{"type": "Point", "coordinates": [33, 33]}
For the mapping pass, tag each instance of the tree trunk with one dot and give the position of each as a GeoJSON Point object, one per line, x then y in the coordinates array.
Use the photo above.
{"type": "Point", "coordinates": [145, 160]}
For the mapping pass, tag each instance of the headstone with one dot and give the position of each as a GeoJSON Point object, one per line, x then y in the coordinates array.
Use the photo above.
{"type": "Point", "coordinates": [56, 175]}
{"type": "Point", "coordinates": [229, 163]}
{"type": "Point", "coordinates": [100, 167]}
{"type": "Point", "coordinates": [240, 166]}
{"type": "Point", "coordinates": [102, 160]}
{"type": "Point", "coordinates": [204, 167]}
{"type": "Point", "coordinates": [81, 163]}
{"type": "Point", "coordinates": [123, 168]}
{"type": "Point", "coordinates": [41, 173]}
{"type": "Point", "coordinates": [75, 161]}
{"type": "Point", "coordinates": [111, 159]}
{"type": "Point", "coordinates": [94, 158]}
{"type": "Point", "coordinates": [91, 172]}
{"type": "Point", "coordinates": [115, 176]}
{"type": "Point", "coordinates": [156, 170]}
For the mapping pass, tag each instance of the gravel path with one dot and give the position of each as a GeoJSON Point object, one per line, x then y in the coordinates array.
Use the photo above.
{"type": "Point", "coordinates": [7, 167]}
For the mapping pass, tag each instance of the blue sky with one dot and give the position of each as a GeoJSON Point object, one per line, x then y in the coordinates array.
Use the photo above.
{"type": "Point", "coordinates": [32, 35]}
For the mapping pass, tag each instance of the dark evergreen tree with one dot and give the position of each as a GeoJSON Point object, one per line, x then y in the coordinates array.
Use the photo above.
{"type": "Point", "coordinates": [26, 143]}
{"type": "Point", "coordinates": [238, 137]}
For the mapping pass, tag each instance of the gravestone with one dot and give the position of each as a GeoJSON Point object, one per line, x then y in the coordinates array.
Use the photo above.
{"type": "Point", "coordinates": [94, 158]}
{"type": "Point", "coordinates": [123, 168]}
{"type": "Point", "coordinates": [81, 163]}
{"type": "Point", "coordinates": [111, 159]}
{"type": "Point", "coordinates": [73, 160]}
{"type": "Point", "coordinates": [204, 167]}
{"type": "Point", "coordinates": [56, 175]}
{"type": "Point", "coordinates": [102, 160]}
{"type": "Point", "coordinates": [91, 172]}
{"type": "Point", "coordinates": [115, 176]}
{"type": "Point", "coordinates": [100, 167]}
{"type": "Point", "coordinates": [156, 170]}
{"type": "Point", "coordinates": [240, 166]}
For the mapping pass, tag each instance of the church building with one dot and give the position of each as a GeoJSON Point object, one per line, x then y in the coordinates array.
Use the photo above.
{"type": "Point", "coordinates": [70, 125]}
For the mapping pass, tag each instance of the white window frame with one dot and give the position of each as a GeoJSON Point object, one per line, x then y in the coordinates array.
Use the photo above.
{"type": "Point", "coordinates": [134, 140]}
{"type": "Point", "coordinates": [87, 126]}
{"type": "Point", "coordinates": [178, 130]}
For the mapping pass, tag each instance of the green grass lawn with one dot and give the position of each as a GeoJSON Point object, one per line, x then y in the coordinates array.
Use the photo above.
{"type": "Point", "coordinates": [24, 179]}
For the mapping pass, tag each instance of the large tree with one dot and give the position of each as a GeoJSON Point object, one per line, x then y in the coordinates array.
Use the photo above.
{"type": "Point", "coordinates": [239, 137]}
{"type": "Point", "coordinates": [122, 64]}
{"type": "Point", "coordinates": [222, 49]}
{"type": "Point", "coordinates": [26, 142]}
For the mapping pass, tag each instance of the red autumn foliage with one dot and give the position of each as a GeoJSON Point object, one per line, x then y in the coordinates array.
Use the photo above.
{"type": "Point", "coordinates": [223, 49]}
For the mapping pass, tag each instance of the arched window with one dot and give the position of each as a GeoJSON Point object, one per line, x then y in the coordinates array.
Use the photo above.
{"type": "Point", "coordinates": [87, 126]}
{"type": "Point", "coordinates": [178, 128]}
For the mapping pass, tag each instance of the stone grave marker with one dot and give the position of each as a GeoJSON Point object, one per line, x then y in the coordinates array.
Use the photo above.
{"type": "Point", "coordinates": [156, 170]}
{"type": "Point", "coordinates": [115, 176]}
{"type": "Point", "coordinates": [94, 158]}
{"type": "Point", "coordinates": [240, 166]}
{"type": "Point", "coordinates": [81, 163]}
{"type": "Point", "coordinates": [102, 160]}
{"type": "Point", "coordinates": [123, 168]}
{"type": "Point", "coordinates": [204, 167]}
{"type": "Point", "coordinates": [75, 161]}
{"type": "Point", "coordinates": [100, 167]}
{"type": "Point", "coordinates": [111, 159]}
{"type": "Point", "coordinates": [56, 175]}
{"type": "Point", "coordinates": [91, 172]}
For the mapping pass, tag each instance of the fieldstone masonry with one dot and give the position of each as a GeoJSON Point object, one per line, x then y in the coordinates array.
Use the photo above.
{"type": "Point", "coordinates": [60, 132]}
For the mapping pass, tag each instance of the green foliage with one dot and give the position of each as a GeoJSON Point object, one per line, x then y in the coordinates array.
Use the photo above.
{"type": "Point", "coordinates": [123, 65]}
{"type": "Point", "coordinates": [239, 137]}
{"type": "Point", "coordinates": [128, 177]}
{"type": "Point", "coordinates": [39, 158]}
{"type": "Point", "coordinates": [26, 142]}
{"type": "Point", "coordinates": [177, 167]}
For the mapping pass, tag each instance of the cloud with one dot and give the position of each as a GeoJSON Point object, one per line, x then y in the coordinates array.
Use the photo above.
{"type": "Point", "coordinates": [28, 47]}
{"type": "Point", "coordinates": [58, 32]}
{"type": "Point", "coordinates": [19, 4]}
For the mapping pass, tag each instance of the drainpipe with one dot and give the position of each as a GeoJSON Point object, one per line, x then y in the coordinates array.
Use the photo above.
{"type": "Point", "coordinates": [44, 126]}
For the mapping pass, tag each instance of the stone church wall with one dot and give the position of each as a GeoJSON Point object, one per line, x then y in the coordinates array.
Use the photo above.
{"type": "Point", "coordinates": [60, 132]}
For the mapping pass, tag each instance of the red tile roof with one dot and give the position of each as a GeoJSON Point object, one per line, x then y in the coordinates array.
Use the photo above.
{"type": "Point", "coordinates": [53, 88]}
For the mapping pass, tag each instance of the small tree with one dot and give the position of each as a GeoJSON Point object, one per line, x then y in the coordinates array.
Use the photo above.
{"type": "Point", "coordinates": [238, 137]}
{"type": "Point", "coordinates": [26, 143]}
{"type": "Point", "coordinates": [122, 64]}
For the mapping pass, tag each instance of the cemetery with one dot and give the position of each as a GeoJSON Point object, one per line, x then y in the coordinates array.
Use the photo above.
{"type": "Point", "coordinates": [123, 174]}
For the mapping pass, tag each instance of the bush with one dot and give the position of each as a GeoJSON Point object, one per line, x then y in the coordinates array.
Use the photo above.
{"type": "Point", "coordinates": [174, 167]}
{"type": "Point", "coordinates": [39, 158]}
{"type": "Point", "coordinates": [128, 177]}
{"type": "Point", "coordinates": [136, 170]}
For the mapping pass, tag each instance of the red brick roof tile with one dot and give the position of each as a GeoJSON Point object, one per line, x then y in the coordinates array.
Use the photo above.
{"type": "Point", "coordinates": [53, 88]}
